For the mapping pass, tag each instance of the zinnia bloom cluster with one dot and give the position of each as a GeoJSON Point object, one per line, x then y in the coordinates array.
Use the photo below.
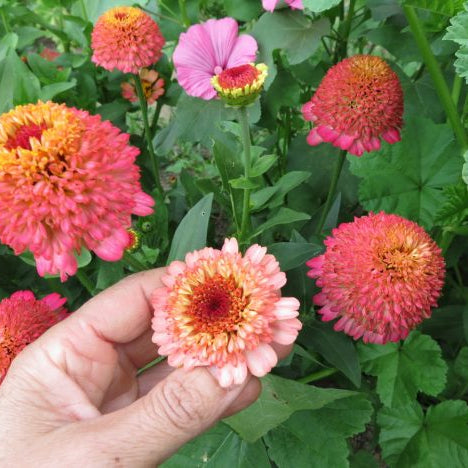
{"type": "Point", "coordinates": [152, 84]}
{"type": "Point", "coordinates": [223, 310]}
{"type": "Point", "coordinates": [67, 180]}
{"type": "Point", "coordinates": [270, 5]}
{"type": "Point", "coordinates": [359, 100]}
{"type": "Point", "coordinates": [240, 86]}
{"type": "Point", "coordinates": [206, 50]}
{"type": "Point", "coordinates": [23, 319]}
{"type": "Point", "coordinates": [126, 38]}
{"type": "Point", "coordinates": [380, 275]}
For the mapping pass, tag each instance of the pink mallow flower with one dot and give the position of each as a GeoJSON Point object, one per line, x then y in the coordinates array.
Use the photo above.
{"type": "Point", "coordinates": [224, 310]}
{"type": "Point", "coordinates": [208, 49]}
{"type": "Point", "coordinates": [270, 5]}
{"type": "Point", "coordinates": [359, 101]}
{"type": "Point", "coordinates": [67, 180]}
{"type": "Point", "coordinates": [23, 319]}
{"type": "Point", "coordinates": [380, 275]}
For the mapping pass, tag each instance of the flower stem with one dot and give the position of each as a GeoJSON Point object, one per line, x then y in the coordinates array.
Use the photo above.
{"type": "Point", "coordinates": [85, 280]}
{"type": "Point", "coordinates": [154, 123]}
{"type": "Point", "coordinates": [331, 190]}
{"type": "Point", "coordinates": [131, 261]}
{"type": "Point", "coordinates": [456, 89]}
{"type": "Point", "coordinates": [4, 21]}
{"type": "Point", "coordinates": [183, 13]}
{"type": "Point", "coordinates": [317, 375]}
{"type": "Point", "coordinates": [436, 75]}
{"type": "Point", "coordinates": [341, 50]}
{"type": "Point", "coordinates": [144, 113]}
{"type": "Point", "coordinates": [244, 122]}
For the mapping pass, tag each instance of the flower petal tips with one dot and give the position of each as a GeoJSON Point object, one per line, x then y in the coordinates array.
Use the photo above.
{"type": "Point", "coordinates": [206, 50]}
{"type": "Point", "coordinates": [224, 310]}
{"type": "Point", "coordinates": [270, 5]}
{"type": "Point", "coordinates": [379, 276]}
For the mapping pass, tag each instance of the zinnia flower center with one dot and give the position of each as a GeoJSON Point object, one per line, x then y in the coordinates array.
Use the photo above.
{"type": "Point", "coordinates": [20, 139]}
{"type": "Point", "coordinates": [216, 305]}
{"type": "Point", "coordinates": [122, 16]}
{"type": "Point", "coordinates": [238, 77]}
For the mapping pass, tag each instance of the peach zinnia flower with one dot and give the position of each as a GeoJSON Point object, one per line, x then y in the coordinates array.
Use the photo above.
{"type": "Point", "coordinates": [23, 319]}
{"type": "Point", "coordinates": [153, 87]}
{"type": "Point", "coordinates": [380, 274]}
{"type": "Point", "coordinates": [270, 5]}
{"type": "Point", "coordinates": [207, 49]}
{"type": "Point", "coordinates": [126, 38]}
{"type": "Point", "coordinates": [359, 100]}
{"type": "Point", "coordinates": [223, 310]}
{"type": "Point", "coordinates": [67, 181]}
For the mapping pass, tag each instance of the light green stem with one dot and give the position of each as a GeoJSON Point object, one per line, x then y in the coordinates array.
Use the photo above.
{"type": "Point", "coordinates": [456, 89]}
{"type": "Point", "coordinates": [131, 261]}
{"type": "Point", "coordinates": [4, 20]}
{"type": "Point", "coordinates": [84, 279]}
{"type": "Point", "coordinates": [436, 75]}
{"type": "Point", "coordinates": [244, 122]}
{"type": "Point", "coordinates": [183, 13]}
{"type": "Point", "coordinates": [331, 190]}
{"type": "Point", "coordinates": [144, 113]}
{"type": "Point", "coordinates": [319, 375]}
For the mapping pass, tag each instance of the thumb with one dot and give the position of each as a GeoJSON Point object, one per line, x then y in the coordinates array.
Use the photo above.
{"type": "Point", "coordinates": [176, 410]}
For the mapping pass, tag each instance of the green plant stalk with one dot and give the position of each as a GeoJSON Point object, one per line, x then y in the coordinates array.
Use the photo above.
{"type": "Point", "coordinates": [319, 375]}
{"type": "Point", "coordinates": [84, 279]}
{"type": "Point", "coordinates": [456, 89]}
{"type": "Point", "coordinates": [5, 21]}
{"type": "Point", "coordinates": [342, 45]}
{"type": "Point", "coordinates": [183, 13]}
{"type": "Point", "coordinates": [131, 261]}
{"type": "Point", "coordinates": [144, 113]}
{"type": "Point", "coordinates": [154, 123]}
{"type": "Point", "coordinates": [332, 189]}
{"type": "Point", "coordinates": [437, 76]}
{"type": "Point", "coordinates": [245, 130]}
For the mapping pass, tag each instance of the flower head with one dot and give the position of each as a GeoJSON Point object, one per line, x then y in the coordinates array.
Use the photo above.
{"type": "Point", "coordinates": [133, 240]}
{"type": "Point", "coordinates": [67, 181]}
{"type": "Point", "coordinates": [380, 274]}
{"type": "Point", "coordinates": [359, 100]}
{"type": "Point", "coordinates": [207, 49]}
{"type": "Point", "coordinates": [223, 310]}
{"type": "Point", "coordinates": [49, 54]}
{"type": "Point", "coordinates": [270, 5]}
{"type": "Point", "coordinates": [23, 318]}
{"type": "Point", "coordinates": [153, 87]}
{"type": "Point", "coordinates": [126, 38]}
{"type": "Point", "coordinates": [240, 86]}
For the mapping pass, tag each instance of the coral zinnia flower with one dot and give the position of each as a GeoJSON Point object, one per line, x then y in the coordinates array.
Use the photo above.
{"type": "Point", "coordinates": [240, 86]}
{"type": "Point", "coordinates": [23, 319]}
{"type": "Point", "coordinates": [126, 38]}
{"type": "Point", "coordinates": [222, 310]}
{"type": "Point", "coordinates": [153, 87]}
{"type": "Point", "coordinates": [359, 100]}
{"type": "Point", "coordinates": [380, 274]}
{"type": "Point", "coordinates": [270, 5]}
{"type": "Point", "coordinates": [67, 180]}
{"type": "Point", "coordinates": [207, 49]}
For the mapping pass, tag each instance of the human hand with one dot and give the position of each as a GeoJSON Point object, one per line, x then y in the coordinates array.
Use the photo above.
{"type": "Point", "coordinates": [73, 397]}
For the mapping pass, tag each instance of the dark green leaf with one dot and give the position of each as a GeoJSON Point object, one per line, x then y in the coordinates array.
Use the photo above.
{"type": "Point", "coordinates": [262, 165]}
{"type": "Point", "coordinates": [293, 254]}
{"type": "Point", "coordinates": [443, 7]}
{"type": "Point", "coordinates": [243, 183]}
{"type": "Point", "coordinates": [283, 216]}
{"type": "Point", "coordinates": [317, 6]}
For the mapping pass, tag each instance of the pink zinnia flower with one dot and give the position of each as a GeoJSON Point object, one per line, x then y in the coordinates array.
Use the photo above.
{"type": "Point", "coordinates": [153, 87]}
{"type": "Point", "coordinates": [359, 100]}
{"type": "Point", "coordinates": [223, 310]}
{"type": "Point", "coordinates": [23, 319]}
{"type": "Point", "coordinates": [270, 5]}
{"type": "Point", "coordinates": [126, 38]}
{"type": "Point", "coordinates": [67, 180]}
{"type": "Point", "coordinates": [206, 50]}
{"type": "Point", "coordinates": [380, 274]}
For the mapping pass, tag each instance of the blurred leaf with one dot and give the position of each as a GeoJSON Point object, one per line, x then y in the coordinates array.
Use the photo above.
{"type": "Point", "coordinates": [263, 164]}
{"type": "Point", "coordinates": [109, 273]}
{"type": "Point", "coordinates": [410, 438]}
{"type": "Point", "coordinates": [191, 232]}
{"type": "Point", "coordinates": [317, 6]}
{"type": "Point", "coordinates": [243, 183]}
{"type": "Point", "coordinates": [280, 398]}
{"type": "Point", "coordinates": [403, 370]}
{"type": "Point", "coordinates": [243, 10]}
{"type": "Point", "coordinates": [50, 91]}
{"type": "Point", "coordinates": [443, 7]}
{"type": "Point", "coordinates": [407, 178]}
{"type": "Point", "coordinates": [293, 254]}
{"type": "Point", "coordinates": [283, 216]}
{"type": "Point", "coordinates": [458, 33]}
{"type": "Point", "coordinates": [27, 35]}
{"type": "Point", "coordinates": [318, 438]}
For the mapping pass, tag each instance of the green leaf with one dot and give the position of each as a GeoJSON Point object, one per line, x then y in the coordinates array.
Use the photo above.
{"type": "Point", "coordinates": [50, 91]}
{"type": "Point", "coordinates": [318, 438]}
{"type": "Point", "coordinates": [109, 273]}
{"type": "Point", "coordinates": [280, 398]}
{"type": "Point", "coordinates": [243, 10]}
{"type": "Point", "coordinates": [220, 447]}
{"type": "Point", "coordinates": [407, 178]}
{"type": "Point", "coordinates": [192, 230]}
{"type": "Point", "coordinates": [46, 71]}
{"type": "Point", "coordinates": [317, 6]}
{"type": "Point", "coordinates": [403, 370]}
{"type": "Point", "coordinates": [262, 165]}
{"type": "Point", "coordinates": [293, 254]}
{"type": "Point", "coordinates": [285, 184]}
{"type": "Point", "coordinates": [443, 7]}
{"type": "Point", "coordinates": [458, 33]}
{"type": "Point", "coordinates": [226, 155]}
{"type": "Point", "coordinates": [337, 348]}
{"type": "Point", "coordinates": [455, 207]}
{"type": "Point", "coordinates": [283, 216]}
{"type": "Point", "coordinates": [410, 438]}
{"type": "Point", "coordinates": [95, 9]}
{"type": "Point", "coordinates": [243, 183]}
{"type": "Point", "coordinates": [290, 31]}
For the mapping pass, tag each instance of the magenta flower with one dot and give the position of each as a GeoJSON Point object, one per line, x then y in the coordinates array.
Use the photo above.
{"type": "Point", "coordinates": [206, 50]}
{"type": "Point", "coordinates": [270, 5]}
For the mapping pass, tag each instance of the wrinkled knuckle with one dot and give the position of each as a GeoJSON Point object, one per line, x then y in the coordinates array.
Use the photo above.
{"type": "Point", "coordinates": [183, 407]}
